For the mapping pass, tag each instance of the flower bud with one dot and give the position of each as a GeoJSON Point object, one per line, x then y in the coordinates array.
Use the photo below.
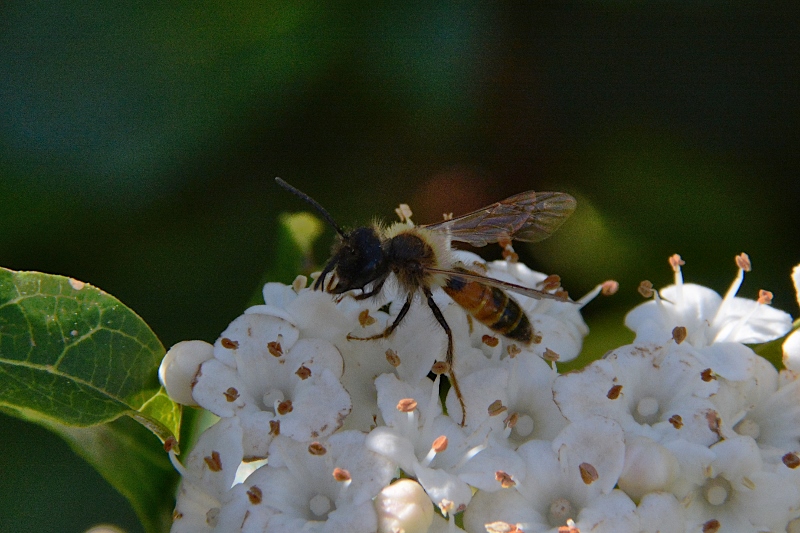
{"type": "Point", "coordinates": [180, 366]}
{"type": "Point", "coordinates": [403, 506]}
{"type": "Point", "coordinates": [648, 467]}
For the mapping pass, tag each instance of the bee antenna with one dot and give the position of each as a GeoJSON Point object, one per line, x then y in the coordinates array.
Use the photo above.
{"type": "Point", "coordinates": [303, 196]}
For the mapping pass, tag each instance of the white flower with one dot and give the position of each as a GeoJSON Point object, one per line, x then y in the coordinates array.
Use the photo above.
{"type": "Point", "coordinates": [649, 467]}
{"type": "Point", "coordinates": [274, 381]}
{"type": "Point", "coordinates": [716, 327]}
{"type": "Point", "coordinates": [739, 494]}
{"type": "Point", "coordinates": [435, 449]}
{"type": "Point", "coordinates": [572, 477]}
{"type": "Point", "coordinates": [791, 347]}
{"type": "Point", "coordinates": [688, 422]}
{"type": "Point", "coordinates": [513, 397]}
{"type": "Point", "coordinates": [324, 487]}
{"type": "Point", "coordinates": [208, 475]}
{"type": "Point", "coordinates": [655, 392]}
{"type": "Point", "coordinates": [770, 414]}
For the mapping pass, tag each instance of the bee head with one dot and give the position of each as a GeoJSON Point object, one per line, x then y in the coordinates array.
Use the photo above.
{"type": "Point", "coordinates": [358, 259]}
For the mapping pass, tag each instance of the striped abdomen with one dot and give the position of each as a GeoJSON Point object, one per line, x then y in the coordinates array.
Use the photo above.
{"type": "Point", "coordinates": [492, 307]}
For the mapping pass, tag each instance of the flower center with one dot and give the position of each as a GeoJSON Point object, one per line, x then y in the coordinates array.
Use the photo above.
{"type": "Point", "coordinates": [524, 426]}
{"type": "Point", "coordinates": [717, 491]}
{"type": "Point", "coordinates": [320, 505]}
{"type": "Point", "coordinates": [646, 410]}
{"type": "Point", "coordinates": [748, 428]}
{"type": "Point", "coordinates": [560, 510]}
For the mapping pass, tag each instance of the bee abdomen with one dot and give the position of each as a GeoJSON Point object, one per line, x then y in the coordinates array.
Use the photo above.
{"type": "Point", "coordinates": [492, 307]}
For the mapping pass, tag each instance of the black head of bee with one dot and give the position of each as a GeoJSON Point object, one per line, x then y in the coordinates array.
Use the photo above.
{"type": "Point", "coordinates": [358, 259]}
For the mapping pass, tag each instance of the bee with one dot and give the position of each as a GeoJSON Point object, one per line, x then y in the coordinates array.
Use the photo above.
{"type": "Point", "coordinates": [421, 258]}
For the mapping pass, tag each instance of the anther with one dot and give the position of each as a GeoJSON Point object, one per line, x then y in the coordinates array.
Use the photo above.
{"type": "Point", "coordinates": [708, 375]}
{"type": "Point", "coordinates": [392, 358]}
{"type": "Point", "coordinates": [646, 289]}
{"type": "Point", "coordinates": [676, 262]}
{"type": "Point", "coordinates": [275, 348]}
{"type": "Point", "coordinates": [609, 287]}
{"type": "Point", "coordinates": [214, 462]}
{"type": "Point", "coordinates": [228, 343]}
{"type": "Point", "coordinates": [364, 319]}
{"type": "Point", "coordinates": [743, 262]}
{"type": "Point", "coordinates": [505, 479]}
{"type": "Point", "coordinates": [407, 405]}
{"type": "Point", "coordinates": [341, 475]}
{"type": "Point", "coordinates": [285, 407]}
{"type": "Point", "coordinates": [764, 297]}
{"type": "Point", "coordinates": [791, 460]}
{"type": "Point", "coordinates": [303, 372]}
{"type": "Point", "coordinates": [588, 473]}
{"type": "Point", "coordinates": [490, 340]}
{"type": "Point", "coordinates": [511, 420]}
{"type": "Point", "coordinates": [255, 495]}
{"type": "Point", "coordinates": [315, 448]}
{"type": "Point", "coordinates": [614, 392]}
{"type": "Point", "coordinates": [550, 355]}
{"type": "Point", "coordinates": [231, 395]}
{"type": "Point", "coordinates": [496, 408]}
{"type": "Point", "coordinates": [679, 334]}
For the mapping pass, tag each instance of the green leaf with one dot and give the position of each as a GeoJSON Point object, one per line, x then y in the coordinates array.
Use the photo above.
{"type": "Point", "coordinates": [71, 354]}
{"type": "Point", "coordinates": [133, 461]}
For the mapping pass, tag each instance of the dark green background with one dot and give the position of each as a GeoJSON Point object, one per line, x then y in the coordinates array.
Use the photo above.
{"type": "Point", "coordinates": [138, 146]}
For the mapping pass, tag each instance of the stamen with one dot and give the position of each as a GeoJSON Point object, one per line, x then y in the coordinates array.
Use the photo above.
{"type": "Point", "coordinates": [676, 262]}
{"type": "Point", "coordinates": [764, 297]}
{"type": "Point", "coordinates": [407, 405]}
{"type": "Point", "coordinates": [315, 448]}
{"type": "Point", "coordinates": [173, 458]}
{"type": "Point", "coordinates": [392, 358]}
{"type": "Point", "coordinates": [743, 263]}
{"type": "Point", "coordinates": [365, 319]}
{"type": "Point", "coordinates": [588, 473]}
{"type": "Point", "coordinates": [299, 283]}
{"type": "Point", "coordinates": [496, 407]}
{"type": "Point", "coordinates": [646, 289]}
{"type": "Point", "coordinates": [505, 479]}
{"type": "Point", "coordinates": [607, 288]}
{"type": "Point", "coordinates": [551, 282]}
{"type": "Point", "coordinates": [341, 475]}
{"type": "Point", "coordinates": [404, 213]}
{"type": "Point", "coordinates": [439, 445]}
{"type": "Point", "coordinates": [446, 506]}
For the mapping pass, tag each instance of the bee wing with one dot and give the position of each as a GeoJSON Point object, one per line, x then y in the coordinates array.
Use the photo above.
{"type": "Point", "coordinates": [504, 285]}
{"type": "Point", "coordinates": [527, 216]}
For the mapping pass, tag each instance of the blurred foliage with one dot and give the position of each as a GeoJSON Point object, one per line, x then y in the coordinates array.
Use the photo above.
{"type": "Point", "coordinates": [139, 143]}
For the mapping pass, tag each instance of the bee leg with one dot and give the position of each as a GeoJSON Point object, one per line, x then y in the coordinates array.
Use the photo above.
{"type": "Point", "coordinates": [450, 352]}
{"type": "Point", "coordinates": [388, 331]}
{"type": "Point", "coordinates": [375, 290]}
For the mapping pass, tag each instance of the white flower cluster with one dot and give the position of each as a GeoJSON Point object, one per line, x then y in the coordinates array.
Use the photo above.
{"type": "Point", "coordinates": [685, 429]}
